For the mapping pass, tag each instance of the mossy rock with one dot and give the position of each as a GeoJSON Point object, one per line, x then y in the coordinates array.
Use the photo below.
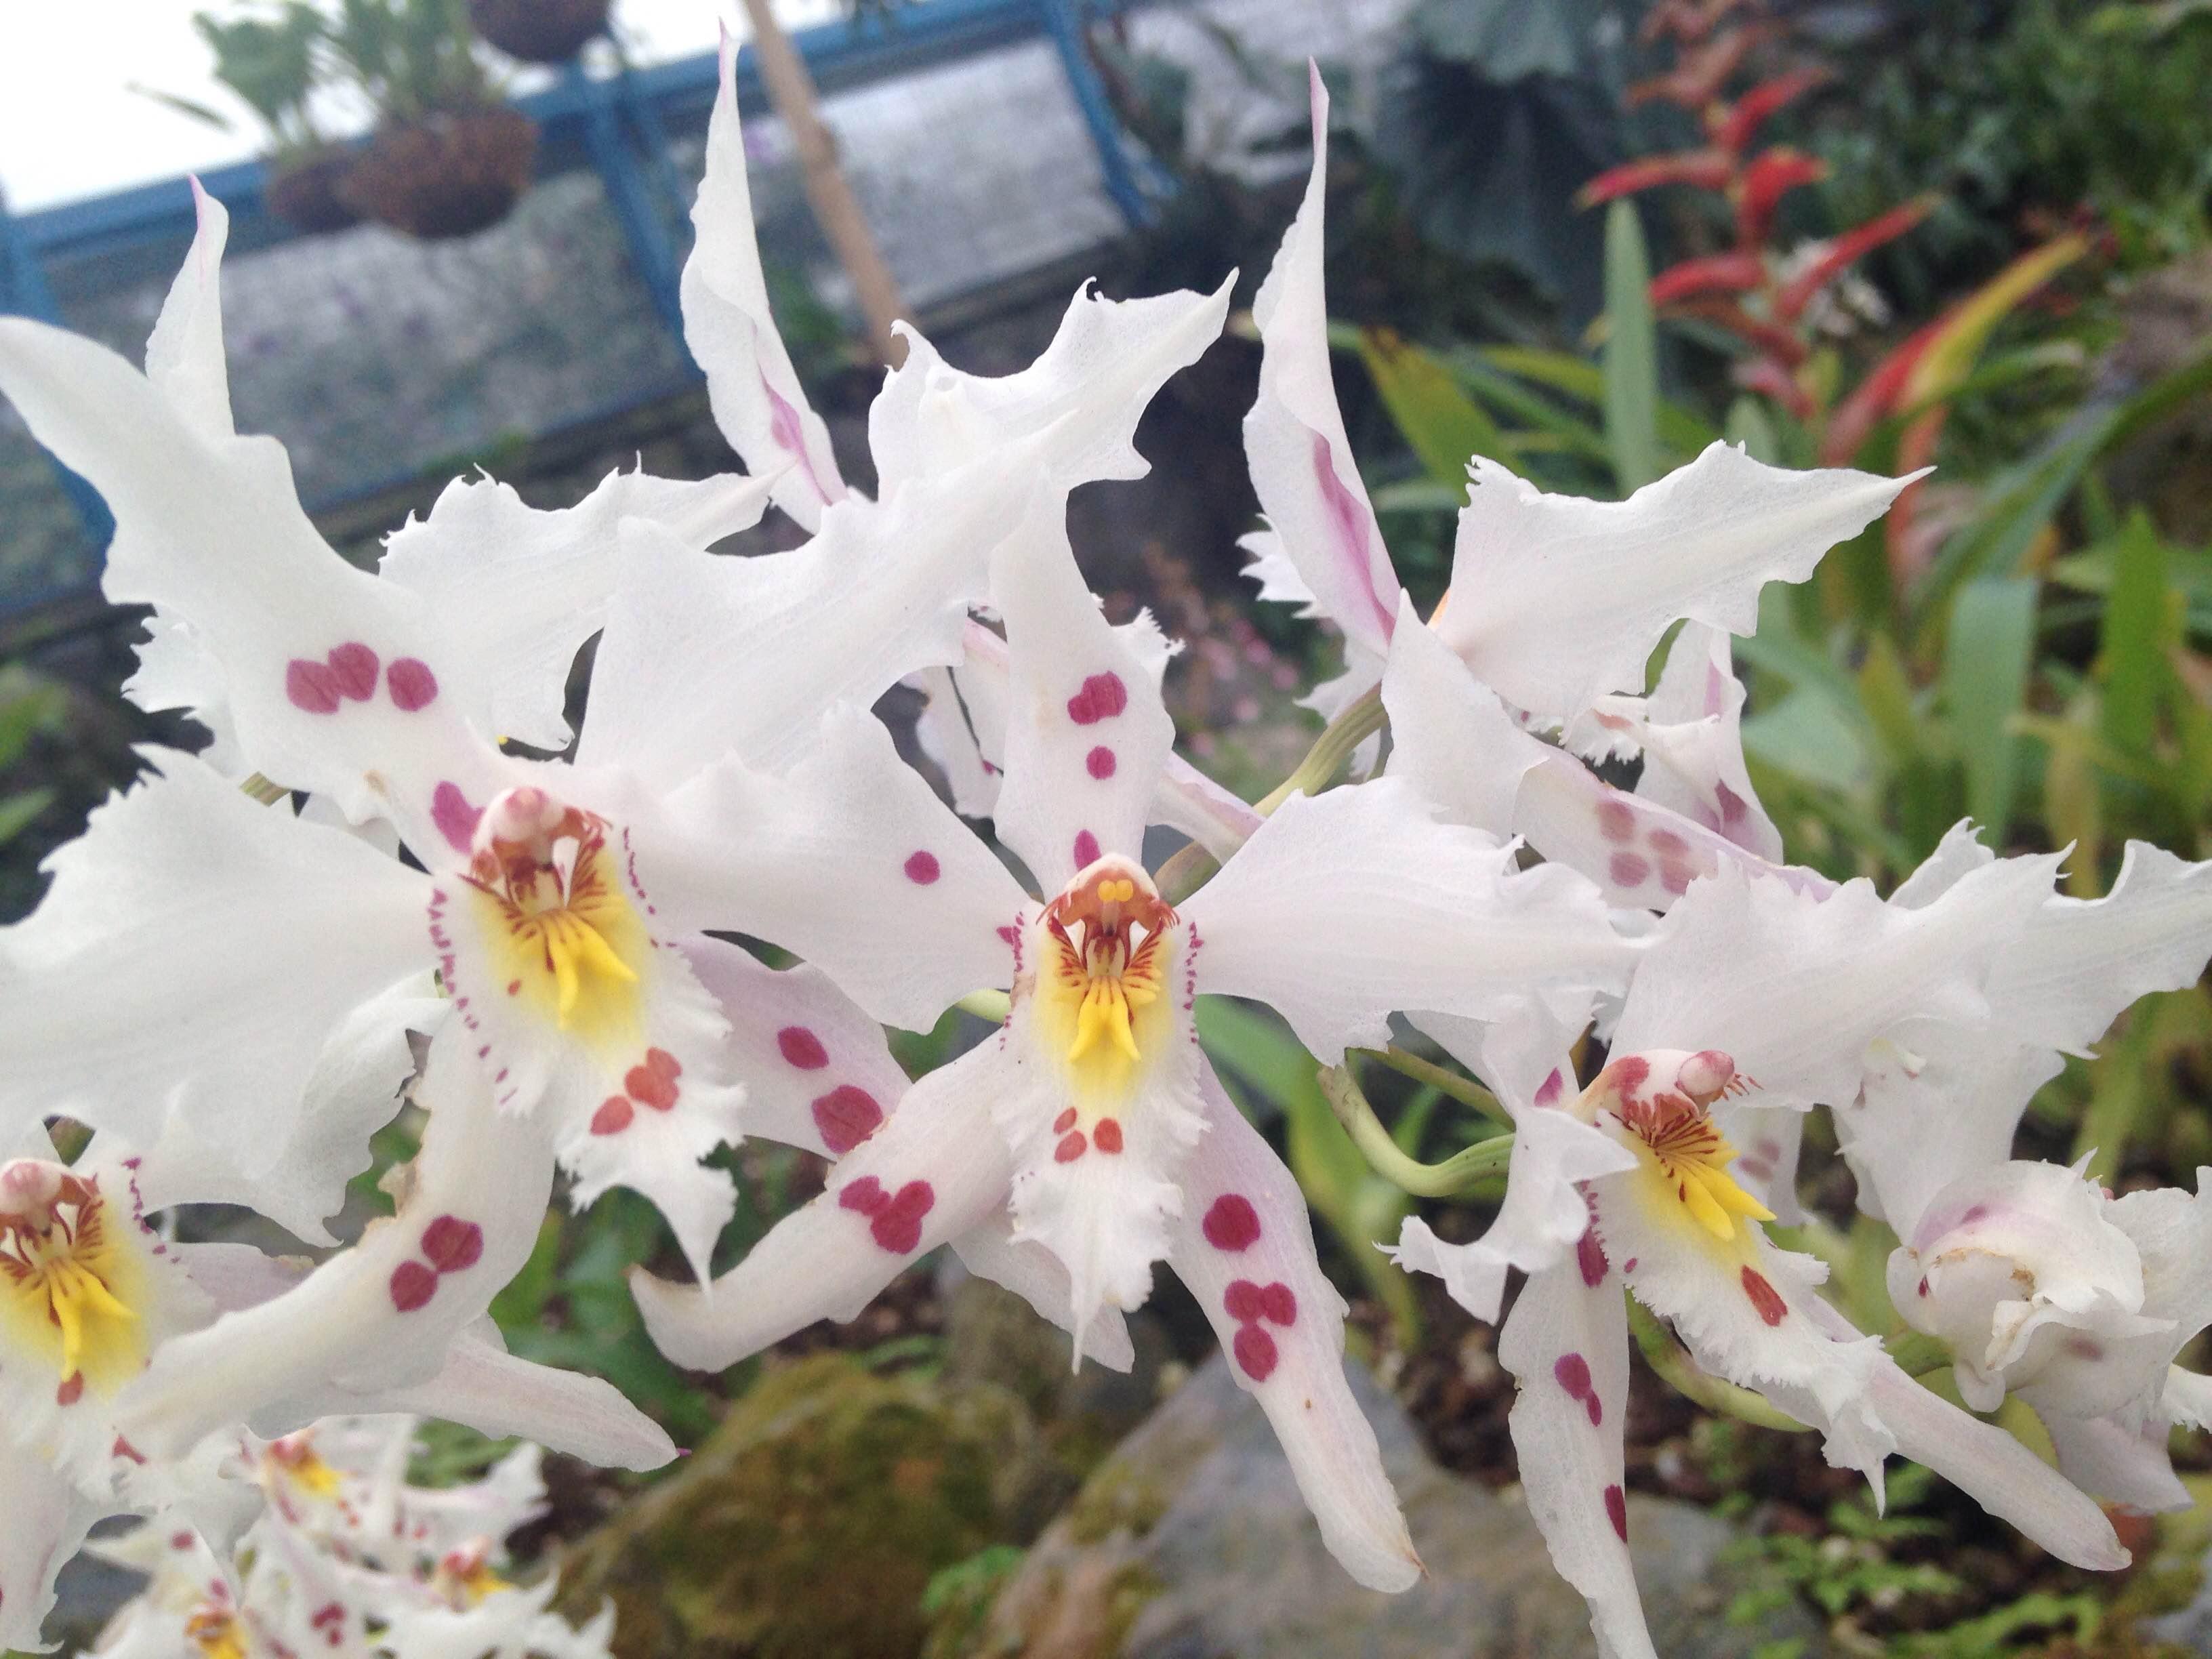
{"type": "Point", "coordinates": [810, 1524]}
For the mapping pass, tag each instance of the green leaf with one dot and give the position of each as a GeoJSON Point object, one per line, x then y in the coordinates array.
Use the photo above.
{"type": "Point", "coordinates": [1749, 424]}
{"type": "Point", "coordinates": [1681, 429]}
{"type": "Point", "coordinates": [16, 811]}
{"type": "Point", "coordinates": [1631, 353]}
{"type": "Point", "coordinates": [1498, 389]}
{"type": "Point", "coordinates": [1806, 736]}
{"type": "Point", "coordinates": [1441, 423]}
{"type": "Point", "coordinates": [2134, 639]}
{"type": "Point", "coordinates": [1984, 683]}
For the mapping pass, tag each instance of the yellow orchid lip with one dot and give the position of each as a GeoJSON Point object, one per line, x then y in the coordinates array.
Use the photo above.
{"type": "Point", "coordinates": [1682, 1149]}
{"type": "Point", "coordinates": [1107, 942]}
{"type": "Point", "coordinates": [68, 1281]}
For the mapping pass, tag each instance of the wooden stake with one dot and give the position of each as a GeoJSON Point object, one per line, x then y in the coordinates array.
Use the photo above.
{"type": "Point", "coordinates": [791, 91]}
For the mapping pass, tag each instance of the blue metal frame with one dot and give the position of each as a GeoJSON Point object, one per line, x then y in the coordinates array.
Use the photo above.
{"type": "Point", "coordinates": [619, 127]}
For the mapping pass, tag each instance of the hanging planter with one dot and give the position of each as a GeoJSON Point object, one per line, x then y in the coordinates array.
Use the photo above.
{"type": "Point", "coordinates": [539, 31]}
{"type": "Point", "coordinates": [446, 175]}
{"type": "Point", "coordinates": [304, 188]}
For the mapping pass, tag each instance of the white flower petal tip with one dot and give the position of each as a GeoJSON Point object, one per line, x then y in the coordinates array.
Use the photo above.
{"type": "Point", "coordinates": [754, 392]}
{"type": "Point", "coordinates": [493, 1392]}
{"type": "Point", "coordinates": [1243, 1245]}
{"type": "Point", "coordinates": [1557, 601]}
{"type": "Point", "coordinates": [1323, 548]}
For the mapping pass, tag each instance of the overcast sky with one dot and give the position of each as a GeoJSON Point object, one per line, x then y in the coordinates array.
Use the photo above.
{"type": "Point", "coordinates": [70, 127]}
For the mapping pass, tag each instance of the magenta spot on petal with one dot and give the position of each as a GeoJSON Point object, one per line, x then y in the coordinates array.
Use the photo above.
{"type": "Point", "coordinates": [1099, 763]}
{"type": "Point", "coordinates": [1733, 809]}
{"type": "Point", "coordinates": [1102, 697]}
{"type": "Point", "coordinates": [1616, 820]}
{"type": "Point", "coordinates": [311, 687]}
{"type": "Point", "coordinates": [412, 1286]}
{"type": "Point", "coordinates": [801, 1048]}
{"type": "Point", "coordinates": [613, 1117]}
{"type": "Point", "coordinates": [921, 868]}
{"type": "Point", "coordinates": [1590, 1256]}
{"type": "Point", "coordinates": [452, 1245]}
{"type": "Point", "coordinates": [455, 818]}
{"type": "Point", "coordinates": [1073, 1146]}
{"type": "Point", "coordinates": [1232, 1224]}
{"type": "Point", "coordinates": [1107, 1135]}
{"type": "Point", "coordinates": [1627, 870]}
{"type": "Point", "coordinates": [1087, 848]}
{"type": "Point", "coordinates": [1349, 517]}
{"type": "Point", "coordinates": [1667, 844]}
{"type": "Point", "coordinates": [897, 1226]}
{"type": "Point", "coordinates": [1572, 1373]}
{"type": "Point", "coordinates": [353, 669]}
{"type": "Point", "coordinates": [411, 683]}
{"type": "Point", "coordinates": [1256, 1352]}
{"type": "Point", "coordinates": [1764, 1298]}
{"type": "Point", "coordinates": [846, 1116]}
{"type": "Point", "coordinates": [1553, 1086]}
{"type": "Point", "coordinates": [1595, 1408]}
{"type": "Point", "coordinates": [1278, 1303]}
{"type": "Point", "coordinates": [1244, 1300]}
{"type": "Point", "coordinates": [1064, 1123]}
{"type": "Point", "coordinates": [1676, 877]}
{"type": "Point", "coordinates": [866, 1195]}
{"type": "Point", "coordinates": [1616, 1510]}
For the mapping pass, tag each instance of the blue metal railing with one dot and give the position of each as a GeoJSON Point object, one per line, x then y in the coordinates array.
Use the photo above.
{"type": "Point", "coordinates": [617, 126]}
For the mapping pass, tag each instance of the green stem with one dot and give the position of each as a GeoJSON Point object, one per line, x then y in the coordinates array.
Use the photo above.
{"type": "Point", "coordinates": [1918, 1354]}
{"type": "Point", "coordinates": [1485, 1160]}
{"type": "Point", "coordinates": [1667, 1357]}
{"type": "Point", "coordinates": [1465, 1091]}
{"type": "Point", "coordinates": [1360, 719]}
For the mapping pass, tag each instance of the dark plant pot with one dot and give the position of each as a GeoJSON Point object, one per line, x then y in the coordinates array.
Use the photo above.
{"type": "Point", "coordinates": [449, 175]}
{"type": "Point", "coordinates": [539, 31]}
{"type": "Point", "coordinates": [304, 188]}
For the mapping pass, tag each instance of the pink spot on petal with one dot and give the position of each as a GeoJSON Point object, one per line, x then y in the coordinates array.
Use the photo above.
{"type": "Point", "coordinates": [1627, 870]}
{"type": "Point", "coordinates": [1553, 1086]}
{"type": "Point", "coordinates": [411, 683]}
{"type": "Point", "coordinates": [897, 1226]}
{"type": "Point", "coordinates": [353, 670]}
{"type": "Point", "coordinates": [311, 687]}
{"type": "Point", "coordinates": [1616, 1510]}
{"type": "Point", "coordinates": [1086, 849]}
{"type": "Point", "coordinates": [452, 1245]}
{"type": "Point", "coordinates": [456, 819]}
{"type": "Point", "coordinates": [846, 1116]}
{"type": "Point", "coordinates": [1590, 1256]}
{"type": "Point", "coordinates": [1676, 877]}
{"type": "Point", "coordinates": [1243, 1301]}
{"type": "Point", "coordinates": [1764, 1296]}
{"type": "Point", "coordinates": [1349, 519]}
{"type": "Point", "coordinates": [801, 1048]}
{"type": "Point", "coordinates": [1667, 844]}
{"type": "Point", "coordinates": [1102, 697]}
{"type": "Point", "coordinates": [1629, 1074]}
{"type": "Point", "coordinates": [1595, 1408]}
{"type": "Point", "coordinates": [1099, 763]}
{"type": "Point", "coordinates": [1064, 1123]}
{"type": "Point", "coordinates": [1733, 809]}
{"type": "Point", "coordinates": [653, 1083]}
{"type": "Point", "coordinates": [921, 868]}
{"type": "Point", "coordinates": [1107, 1134]}
{"type": "Point", "coordinates": [71, 1390]}
{"type": "Point", "coordinates": [1278, 1303]}
{"type": "Point", "coordinates": [1232, 1224]}
{"type": "Point", "coordinates": [1616, 820]}
{"type": "Point", "coordinates": [1071, 1147]}
{"type": "Point", "coordinates": [1572, 1373]}
{"type": "Point", "coordinates": [412, 1286]}
{"type": "Point", "coordinates": [613, 1117]}
{"type": "Point", "coordinates": [1256, 1352]}
{"type": "Point", "coordinates": [866, 1195]}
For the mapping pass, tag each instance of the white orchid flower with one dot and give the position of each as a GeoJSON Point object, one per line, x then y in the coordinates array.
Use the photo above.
{"type": "Point", "coordinates": [1093, 1124]}
{"type": "Point", "coordinates": [1671, 1224]}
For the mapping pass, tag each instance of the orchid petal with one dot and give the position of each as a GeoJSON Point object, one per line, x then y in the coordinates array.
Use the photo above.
{"type": "Point", "coordinates": [335, 681]}
{"type": "Point", "coordinates": [184, 357]}
{"type": "Point", "coordinates": [989, 1250]}
{"type": "Point", "coordinates": [1243, 1245]}
{"type": "Point", "coordinates": [2130, 1467]}
{"type": "Point", "coordinates": [1795, 987]}
{"type": "Point", "coordinates": [955, 713]}
{"type": "Point", "coordinates": [1566, 1343]}
{"type": "Point", "coordinates": [1345, 906]}
{"type": "Point", "coordinates": [1074, 411]}
{"type": "Point", "coordinates": [382, 1314]}
{"type": "Point", "coordinates": [1542, 1221]}
{"type": "Point", "coordinates": [47, 1519]}
{"type": "Point", "coordinates": [353, 1092]}
{"type": "Point", "coordinates": [1931, 1114]}
{"type": "Point", "coordinates": [1301, 459]}
{"type": "Point", "coordinates": [1449, 736]}
{"type": "Point", "coordinates": [817, 1072]}
{"type": "Point", "coordinates": [934, 1170]}
{"type": "Point", "coordinates": [1557, 601]}
{"type": "Point", "coordinates": [521, 590]}
{"type": "Point", "coordinates": [754, 391]}
{"type": "Point", "coordinates": [1086, 730]}
{"type": "Point", "coordinates": [195, 947]}
{"type": "Point", "coordinates": [851, 862]}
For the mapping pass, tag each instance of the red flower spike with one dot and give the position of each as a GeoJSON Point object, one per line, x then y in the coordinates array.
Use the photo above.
{"type": "Point", "coordinates": [1771, 379]}
{"type": "Point", "coordinates": [1744, 118]}
{"type": "Point", "coordinates": [1769, 339]}
{"type": "Point", "coordinates": [1874, 398]}
{"type": "Point", "coordinates": [1845, 251]}
{"type": "Point", "coordinates": [1702, 169]}
{"type": "Point", "coordinates": [1717, 273]}
{"type": "Point", "coordinates": [1771, 176]}
{"type": "Point", "coordinates": [1697, 77]}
